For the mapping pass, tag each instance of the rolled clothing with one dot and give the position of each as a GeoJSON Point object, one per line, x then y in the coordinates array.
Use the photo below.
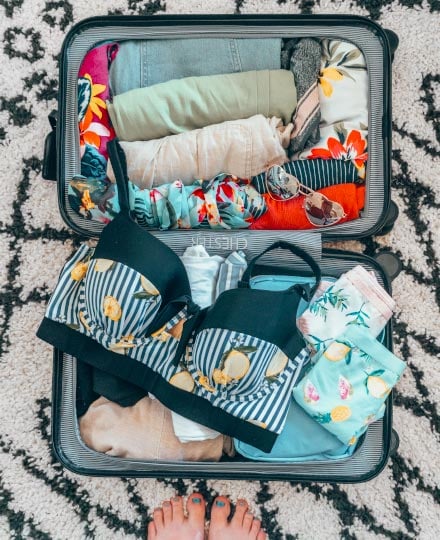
{"type": "Point", "coordinates": [303, 58]}
{"type": "Point", "coordinates": [240, 148]}
{"type": "Point", "coordinates": [221, 203]}
{"type": "Point", "coordinates": [143, 431]}
{"type": "Point", "coordinates": [315, 173]}
{"type": "Point", "coordinates": [202, 270]}
{"type": "Point", "coordinates": [143, 63]}
{"type": "Point", "coordinates": [355, 299]}
{"type": "Point", "coordinates": [290, 214]}
{"type": "Point", "coordinates": [182, 105]}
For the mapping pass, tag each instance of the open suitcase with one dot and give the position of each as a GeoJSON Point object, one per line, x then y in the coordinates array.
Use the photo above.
{"type": "Point", "coordinates": [61, 162]}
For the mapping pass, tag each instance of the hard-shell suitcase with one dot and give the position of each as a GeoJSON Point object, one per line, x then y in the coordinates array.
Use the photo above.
{"type": "Point", "coordinates": [61, 163]}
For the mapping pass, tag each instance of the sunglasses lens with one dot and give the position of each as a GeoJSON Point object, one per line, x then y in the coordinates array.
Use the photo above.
{"type": "Point", "coordinates": [281, 185]}
{"type": "Point", "coordinates": [322, 212]}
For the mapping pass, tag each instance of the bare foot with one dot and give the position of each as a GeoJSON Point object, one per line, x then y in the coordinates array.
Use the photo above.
{"type": "Point", "coordinates": [242, 526]}
{"type": "Point", "coordinates": [170, 522]}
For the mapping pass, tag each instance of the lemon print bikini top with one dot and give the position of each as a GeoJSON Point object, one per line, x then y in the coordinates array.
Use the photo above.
{"type": "Point", "coordinates": [125, 307]}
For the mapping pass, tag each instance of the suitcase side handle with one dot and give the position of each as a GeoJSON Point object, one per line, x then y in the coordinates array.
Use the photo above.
{"type": "Point", "coordinates": [49, 171]}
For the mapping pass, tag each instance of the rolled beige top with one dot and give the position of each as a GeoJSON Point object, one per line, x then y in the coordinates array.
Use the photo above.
{"type": "Point", "coordinates": [242, 148]}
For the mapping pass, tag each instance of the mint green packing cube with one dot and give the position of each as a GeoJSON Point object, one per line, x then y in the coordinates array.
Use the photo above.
{"type": "Point", "coordinates": [346, 388]}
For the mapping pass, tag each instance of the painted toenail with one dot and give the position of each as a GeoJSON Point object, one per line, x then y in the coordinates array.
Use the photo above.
{"type": "Point", "coordinates": [166, 503]}
{"type": "Point", "coordinates": [242, 503]}
{"type": "Point", "coordinates": [176, 499]}
{"type": "Point", "coordinates": [219, 503]}
{"type": "Point", "coordinates": [196, 500]}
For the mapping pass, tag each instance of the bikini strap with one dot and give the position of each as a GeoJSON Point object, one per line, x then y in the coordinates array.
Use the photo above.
{"type": "Point", "coordinates": [281, 244]}
{"type": "Point", "coordinates": [119, 164]}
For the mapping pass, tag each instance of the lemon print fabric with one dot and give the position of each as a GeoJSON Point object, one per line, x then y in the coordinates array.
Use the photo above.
{"type": "Point", "coordinates": [376, 386]}
{"type": "Point", "coordinates": [183, 380]}
{"type": "Point", "coordinates": [79, 271]}
{"type": "Point", "coordinates": [347, 397]}
{"type": "Point", "coordinates": [337, 351]}
{"type": "Point", "coordinates": [234, 365]}
{"type": "Point", "coordinates": [148, 291]}
{"type": "Point", "coordinates": [104, 265]}
{"type": "Point", "coordinates": [111, 308]}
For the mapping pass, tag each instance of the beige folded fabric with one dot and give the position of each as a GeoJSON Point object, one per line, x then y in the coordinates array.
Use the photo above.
{"type": "Point", "coordinates": [242, 148]}
{"type": "Point", "coordinates": [181, 105]}
{"type": "Point", "coordinates": [144, 431]}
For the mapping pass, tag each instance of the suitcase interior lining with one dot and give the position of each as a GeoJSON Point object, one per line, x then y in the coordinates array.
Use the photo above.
{"type": "Point", "coordinates": [366, 459]}
{"type": "Point", "coordinates": [370, 44]}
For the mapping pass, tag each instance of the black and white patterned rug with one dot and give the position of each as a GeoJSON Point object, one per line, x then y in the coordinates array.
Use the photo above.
{"type": "Point", "coordinates": [38, 499]}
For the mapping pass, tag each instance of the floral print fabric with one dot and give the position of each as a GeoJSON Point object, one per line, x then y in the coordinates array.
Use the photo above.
{"type": "Point", "coordinates": [343, 96]}
{"type": "Point", "coordinates": [355, 299]}
{"type": "Point", "coordinates": [346, 389]}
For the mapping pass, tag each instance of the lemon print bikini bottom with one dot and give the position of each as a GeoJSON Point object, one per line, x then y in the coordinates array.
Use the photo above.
{"type": "Point", "coordinates": [125, 308]}
{"type": "Point", "coordinates": [346, 389]}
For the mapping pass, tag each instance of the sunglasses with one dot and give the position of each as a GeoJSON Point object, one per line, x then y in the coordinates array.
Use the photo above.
{"type": "Point", "coordinates": [320, 211]}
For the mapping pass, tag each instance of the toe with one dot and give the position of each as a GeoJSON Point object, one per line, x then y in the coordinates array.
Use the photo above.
{"type": "Point", "coordinates": [255, 528]}
{"type": "Point", "coordinates": [262, 535]}
{"type": "Point", "coordinates": [151, 531]}
{"type": "Point", "coordinates": [220, 510]}
{"type": "Point", "coordinates": [247, 521]}
{"type": "Point", "coordinates": [177, 504]}
{"type": "Point", "coordinates": [158, 519]}
{"type": "Point", "coordinates": [240, 511]}
{"type": "Point", "coordinates": [195, 506]}
{"type": "Point", "coordinates": [167, 510]}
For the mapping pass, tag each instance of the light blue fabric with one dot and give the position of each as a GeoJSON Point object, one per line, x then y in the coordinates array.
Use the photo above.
{"type": "Point", "coordinates": [302, 439]}
{"type": "Point", "coordinates": [346, 389]}
{"type": "Point", "coordinates": [146, 62]}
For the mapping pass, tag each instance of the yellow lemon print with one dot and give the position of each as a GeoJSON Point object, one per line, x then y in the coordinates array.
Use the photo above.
{"type": "Point", "coordinates": [126, 342]}
{"type": "Point", "coordinates": [161, 334]}
{"type": "Point", "coordinates": [204, 381]}
{"type": "Point", "coordinates": [79, 271]}
{"type": "Point", "coordinates": [352, 441]}
{"type": "Point", "coordinates": [377, 387]}
{"type": "Point", "coordinates": [183, 380]}
{"type": "Point", "coordinates": [336, 351]}
{"type": "Point", "coordinates": [340, 413]}
{"type": "Point", "coordinates": [83, 321]}
{"type": "Point", "coordinates": [102, 265]}
{"type": "Point", "coordinates": [112, 309]}
{"type": "Point", "coordinates": [236, 365]}
{"type": "Point", "coordinates": [177, 329]}
{"type": "Point", "coordinates": [257, 423]}
{"type": "Point", "coordinates": [148, 286]}
{"type": "Point", "coordinates": [219, 377]}
{"type": "Point", "coordinates": [277, 364]}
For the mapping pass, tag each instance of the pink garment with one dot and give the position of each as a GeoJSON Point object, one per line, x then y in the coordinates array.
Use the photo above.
{"type": "Point", "coordinates": [93, 91]}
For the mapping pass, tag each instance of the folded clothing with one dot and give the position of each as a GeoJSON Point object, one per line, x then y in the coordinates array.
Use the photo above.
{"type": "Point", "coordinates": [194, 102]}
{"type": "Point", "coordinates": [188, 431]}
{"type": "Point", "coordinates": [220, 203]}
{"type": "Point", "coordinates": [202, 270]}
{"type": "Point", "coordinates": [355, 299]}
{"type": "Point", "coordinates": [241, 148]}
{"type": "Point", "coordinates": [314, 173]}
{"type": "Point", "coordinates": [346, 389]}
{"type": "Point", "coordinates": [146, 62]}
{"type": "Point", "coordinates": [343, 97]}
{"type": "Point", "coordinates": [143, 431]}
{"type": "Point", "coordinates": [290, 214]}
{"type": "Point", "coordinates": [303, 58]}
{"type": "Point", "coordinates": [302, 439]}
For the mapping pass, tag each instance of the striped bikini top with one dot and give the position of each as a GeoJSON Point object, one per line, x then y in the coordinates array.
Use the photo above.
{"type": "Point", "coordinates": [125, 307]}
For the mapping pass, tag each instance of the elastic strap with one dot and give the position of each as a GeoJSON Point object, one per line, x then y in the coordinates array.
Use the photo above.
{"type": "Point", "coordinates": [119, 165]}
{"type": "Point", "coordinates": [281, 244]}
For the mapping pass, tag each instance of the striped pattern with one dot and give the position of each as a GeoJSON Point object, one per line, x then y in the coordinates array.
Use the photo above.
{"type": "Point", "coordinates": [314, 173]}
{"type": "Point", "coordinates": [39, 498]}
{"type": "Point", "coordinates": [254, 397]}
{"type": "Point", "coordinates": [230, 272]}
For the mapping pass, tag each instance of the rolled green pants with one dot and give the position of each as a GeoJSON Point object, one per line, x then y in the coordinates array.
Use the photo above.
{"type": "Point", "coordinates": [195, 102]}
